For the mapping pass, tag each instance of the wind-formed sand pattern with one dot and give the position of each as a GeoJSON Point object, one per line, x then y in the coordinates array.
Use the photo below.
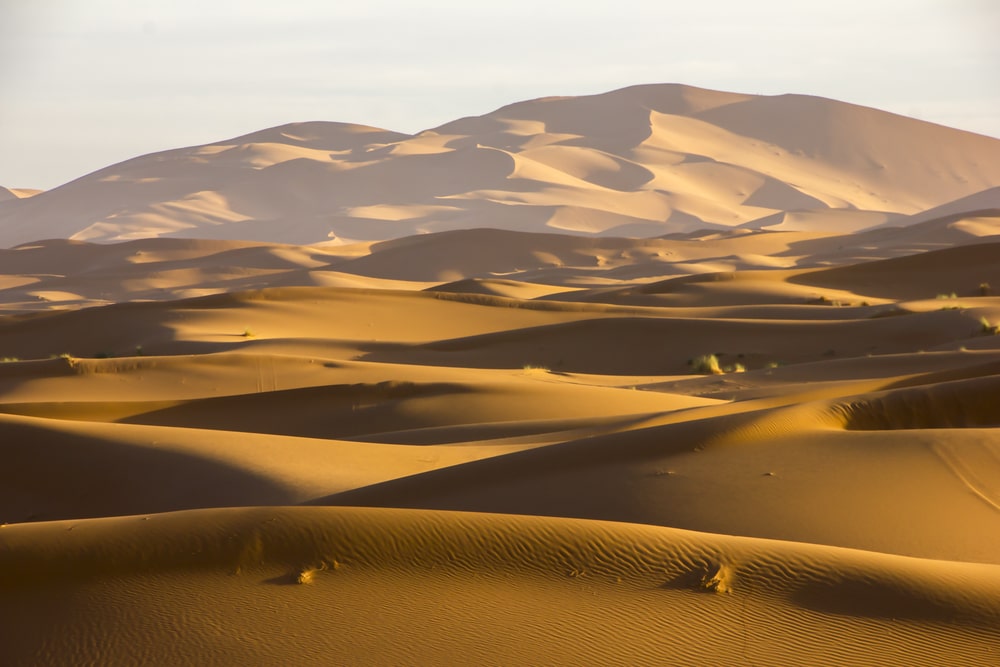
{"type": "Point", "coordinates": [661, 376]}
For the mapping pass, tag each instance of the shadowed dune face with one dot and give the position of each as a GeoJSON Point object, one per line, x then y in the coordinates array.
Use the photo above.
{"type": "Point", "coordinates": [957, 404]}
{"type": "Point", "coordinates": [660, 376]}
{"type": "Point", "coordinates": [51, 472]}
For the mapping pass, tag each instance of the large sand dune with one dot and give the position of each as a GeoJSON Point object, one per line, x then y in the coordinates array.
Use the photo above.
{"type": "Point", "coordinates": [641, 161]}
{"type": "Point", "coordinates": [660, 376]}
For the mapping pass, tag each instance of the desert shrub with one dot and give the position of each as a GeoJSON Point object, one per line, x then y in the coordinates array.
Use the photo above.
{"type": "Point", "coordinates": [707, 364]}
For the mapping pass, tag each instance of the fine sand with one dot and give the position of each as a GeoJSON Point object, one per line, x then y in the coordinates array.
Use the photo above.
{"type": "Point", "coordinates": [651, 377]}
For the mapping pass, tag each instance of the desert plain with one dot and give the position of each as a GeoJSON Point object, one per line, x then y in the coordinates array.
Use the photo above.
{"type": "Point", "coordinates": [661, 376]}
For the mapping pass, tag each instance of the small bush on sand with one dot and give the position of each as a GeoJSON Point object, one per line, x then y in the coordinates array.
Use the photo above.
{"type": "Point", "coordinates": [707, 364]}
{"type": "Point", "coordinates": [720, 581]}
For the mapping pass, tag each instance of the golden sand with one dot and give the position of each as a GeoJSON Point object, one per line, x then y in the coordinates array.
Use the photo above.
{"type": "Point", "coordinates": [495, 420]}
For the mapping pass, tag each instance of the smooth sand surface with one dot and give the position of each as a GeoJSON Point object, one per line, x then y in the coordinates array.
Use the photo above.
{"type": "Point", "coordinates": [650, 377]}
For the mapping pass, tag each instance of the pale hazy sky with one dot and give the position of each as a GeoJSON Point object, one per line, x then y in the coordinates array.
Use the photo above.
{"type": "Point", "coordinates": [87, 83]}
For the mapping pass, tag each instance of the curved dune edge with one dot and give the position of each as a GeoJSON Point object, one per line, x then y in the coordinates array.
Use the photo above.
{"type": "Point", "coordinates": [430, 586]}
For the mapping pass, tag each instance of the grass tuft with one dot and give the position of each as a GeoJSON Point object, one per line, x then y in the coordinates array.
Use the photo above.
{"type": "Point", "coordinates": [527, 368]}
{"type": "Point", "coordinates": [707, 364]}
{"type": "Point", "coordinates": [719, 582]}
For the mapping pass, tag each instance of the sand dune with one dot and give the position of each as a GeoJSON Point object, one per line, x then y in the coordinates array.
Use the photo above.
{"type": "Point", "coordinates": [641, 161]}
{"type": "Point", "coordinates": [17, 193]}
{"type": "Point", "coordinates": [966, 271]}
{"type": "Point", "coordinates": [353, 584]}
{"type": "Point", "coordinates": [59, 274]}
{"type": "Point", "coordinates": [757, 472]}
{"type": "Point", "coordinates": [659, 376]}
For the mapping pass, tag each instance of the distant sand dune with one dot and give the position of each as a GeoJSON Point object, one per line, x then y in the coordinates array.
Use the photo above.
{"type": "Point", "coordinates": [641, 161]}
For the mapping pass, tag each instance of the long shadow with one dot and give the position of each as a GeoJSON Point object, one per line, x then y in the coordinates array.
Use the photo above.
{"type": "Point", "coordinates": [664, 346]}
{"type": "Point", "coordinates": [87, 332]}
{"type": "Point", "coordinates": [329, 411]}
{"type": "Point", "coordinates": [591, 478]}
{"type": "Point", "coordinates": [50, 474]}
